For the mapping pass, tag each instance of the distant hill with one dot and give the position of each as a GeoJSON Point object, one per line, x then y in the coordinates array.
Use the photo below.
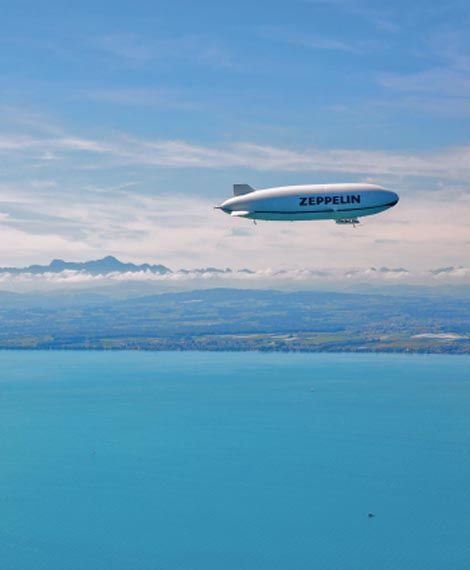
{"type": "Point", "coordinates": [108, 264]}
{"type": "Point", "coordinates": [236, 319]}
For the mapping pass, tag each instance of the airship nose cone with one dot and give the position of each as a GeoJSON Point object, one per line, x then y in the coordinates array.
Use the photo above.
{"type": "Point", "coordinates": [393, 198]}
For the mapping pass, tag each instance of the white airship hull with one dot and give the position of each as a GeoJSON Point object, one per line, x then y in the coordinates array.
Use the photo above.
{"type": "Point", "coordinates": [312, 202]}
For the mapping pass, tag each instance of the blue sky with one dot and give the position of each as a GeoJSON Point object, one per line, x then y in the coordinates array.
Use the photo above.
{"type": "Point", "coordinates": [122, 122]}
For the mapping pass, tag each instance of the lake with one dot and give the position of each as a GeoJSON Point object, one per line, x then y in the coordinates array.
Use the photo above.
{"type": "Point", "coordinates": [232, 461]}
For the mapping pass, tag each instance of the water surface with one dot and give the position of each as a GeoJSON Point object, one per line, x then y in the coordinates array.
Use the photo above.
{"type": "Point", "coordinates": [210, 461]}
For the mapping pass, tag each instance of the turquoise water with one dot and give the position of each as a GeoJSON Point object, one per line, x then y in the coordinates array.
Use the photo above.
{"type": "Point", "coordinates": [204, 461]}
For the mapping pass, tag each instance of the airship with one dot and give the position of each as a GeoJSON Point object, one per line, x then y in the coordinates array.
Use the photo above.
{"type": "Point", "coordinates": [344, 203]}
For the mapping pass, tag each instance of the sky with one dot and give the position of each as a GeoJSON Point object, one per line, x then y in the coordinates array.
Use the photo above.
{"type": "Point", "coordinates": [123, 123]}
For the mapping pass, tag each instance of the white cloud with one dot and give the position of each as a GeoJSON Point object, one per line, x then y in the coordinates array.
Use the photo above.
{"type": "Point", "coordinates": [141, 51]}
{"type": "Point", "coordinates": [440, 81]}
{"type": "Point", "coordinates": [124, 150]}
{"type": "Point", "coordinates": [310, 41]}
{"type": "Point", "coordinates": [336, 278]}
{"type": "Point", "coordinates": [140, 97]}
{"type": "Point", "coordinates": [443, 85]}
{"type": "Point", "coordinates": [378, 15]}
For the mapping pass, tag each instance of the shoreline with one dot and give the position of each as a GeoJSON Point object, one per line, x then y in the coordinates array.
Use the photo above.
{"type": "Point", "coordinates": [403, 351]}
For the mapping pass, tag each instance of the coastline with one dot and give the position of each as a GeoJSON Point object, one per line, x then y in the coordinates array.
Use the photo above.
{"type": "Point", "coordinates": [305, 343]}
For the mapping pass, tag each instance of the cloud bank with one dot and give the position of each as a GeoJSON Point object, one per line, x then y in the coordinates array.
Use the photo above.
{"type": "Point", "coordinates": [124, 150]}
{"type": "Point", "coordinates": [328, 278]}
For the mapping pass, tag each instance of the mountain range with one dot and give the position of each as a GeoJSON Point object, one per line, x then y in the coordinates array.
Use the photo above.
{"type": "Point", "coordinates": [108, 264]}
{"type": "Point", "coordinates": [119, 278]}
{"type": "Point", "coordinates": [111, 264]}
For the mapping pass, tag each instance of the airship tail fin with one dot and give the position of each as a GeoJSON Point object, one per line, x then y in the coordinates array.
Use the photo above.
{"type": "Point", "coordinates": [239, 189]}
